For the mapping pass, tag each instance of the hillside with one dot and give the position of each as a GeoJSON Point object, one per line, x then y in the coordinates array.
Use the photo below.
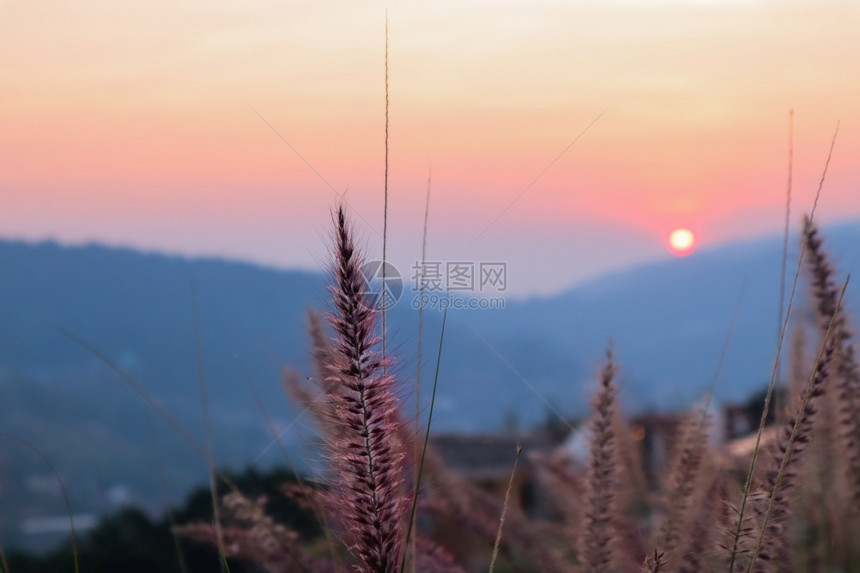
{"type": "Point", "coordinates": [667, 321]}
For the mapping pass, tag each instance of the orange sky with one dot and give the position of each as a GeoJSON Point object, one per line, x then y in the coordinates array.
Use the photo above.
{"type": "Point", "coordinates": [136, 123]}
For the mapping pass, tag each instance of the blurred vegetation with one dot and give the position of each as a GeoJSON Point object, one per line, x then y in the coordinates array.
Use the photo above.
{"type": "Point", "coordinates": [130, 541]}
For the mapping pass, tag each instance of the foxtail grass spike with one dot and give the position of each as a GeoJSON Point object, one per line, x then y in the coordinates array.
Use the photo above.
{"type": "Point", "coordinates": [598, 532]}
{"type": "Point", "coordinates": [367, 454]}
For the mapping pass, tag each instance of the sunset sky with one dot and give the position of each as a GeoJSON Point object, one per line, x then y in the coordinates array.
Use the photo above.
{"type": "Point", "coordinates": [153, 125]}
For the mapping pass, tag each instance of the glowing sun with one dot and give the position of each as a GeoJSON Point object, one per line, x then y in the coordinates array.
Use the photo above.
{"type": "Point", "coordinates": [682, 242]}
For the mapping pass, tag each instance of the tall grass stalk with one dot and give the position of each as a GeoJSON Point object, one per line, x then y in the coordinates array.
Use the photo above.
{"type": "Point", "coordinates": [776, 362]}
{"type": "Point", "coordinates": [783, 266]}
{"type": "Point", "coordinates": [787, 224]}
{"type": "Point", "coordinates": [421, 289]}
{"type": "Point", "coordinates": [410, 532]}
{"type": "Point", "coordinates": [598, 532]}
{"type": "Point", "coordinates": [847, 375]}
{"type": "Point", "coordinates": [798, 432]}
{"type": "Point", "coordinates": [63, 491]}
{"type": "Point", "coordinates": [162, 482]}
{"type": "Point", "coordinates": [385, 207]}
{"type": "Point", "coordinates": [3, 562]}
{"type": "Point", "coordinates": [207, 426]}
{"type": "Point", "coordinates": [504, 511]}
{"type": "Point", "coordinates": [683, 477]}
{"type": "Point", "coordinates": [367, 454]}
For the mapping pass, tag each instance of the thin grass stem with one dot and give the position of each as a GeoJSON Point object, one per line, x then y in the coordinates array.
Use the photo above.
{"type": "Point", "coordinates": [385, 210]}
{"type": "Point", "coordinates": [776, 363]}
{"type": "Point", "coordinates": [505, 511]}
{"type": "Point", "coordinates": [786, 458]}
{"type": "Point", "coordinates": [3, 562]}
{"type": "Point", "coordinates": [207, 424]}
{"type": "Point", "coordinates": [63, 491]}
{"type": "Point", "coordinates": [410, 530]}
{"type": "Point", "coordinates": [421, 289]}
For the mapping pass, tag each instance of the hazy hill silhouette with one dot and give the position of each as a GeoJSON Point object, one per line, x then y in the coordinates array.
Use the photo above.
{"type": "Point", "coordinates": [668, 322]}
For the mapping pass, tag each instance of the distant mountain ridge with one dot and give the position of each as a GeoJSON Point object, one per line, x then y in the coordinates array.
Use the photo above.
{"type": "Point", "coordinates": [138, 310]}
{"type": "Point", "coordinates": [668, 322]}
